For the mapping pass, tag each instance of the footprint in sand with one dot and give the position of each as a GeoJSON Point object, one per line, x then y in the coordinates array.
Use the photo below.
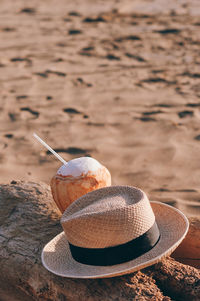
{"type": "Point", "coordinates": [55, 72]}
{"type": "Point", "coordinates": [74, 14]}
{"type": "Point", "coordinates": [58, 60]}
{"type": "Point", "coordinates": [18, 97]}
{"type": "Point", "coordinates": [193, 105]}
{"type": "Point", "coordinates": [9, 29]}
{"type": "Point", "coordinates": [163, 105]}
{"type": "Point", "coordinates": [48, 97]}
{"type": "Point", "coordinates": [157, 71]}
{"type": "Point", "coordinates": [128, 38]}
{"type": "Point", "coordinates": [158, 80]}
{"type": "Point", "coordinates": [87, 51]}
{"type": "Point", "coordinates": [168, 31]}
{"type": "Point", "coordinates": [21, 59]}
{"type": "Point", "coordinates": [112, 57]}
{"type": "Point", "coordinates": [135, 57]}
{"type": "Point", "coordinates": [13, 116]}
{"type": "Point", "coordinates": [74, 32]}
{"type": "Point", "coordinates": [89, 48]}
{"type": "Point", "coordinates": [71, 111]}
{"type": "Point", "coordinates": [98, 124]}
{"type": "Point", "coordinates": [146, 119]}
{"type": "Point", "coordinates": [35, 113]}
{"type": "Point", "coordinates": [152, 112]}
{"type": "Point", "coordinates": [70, 150]}
{"type": "Point", "coordinates": [9, 136]}
{"type": "Point", "coordinates": [94, 19]}
{"type": "Point", "coordinates": [191, 75]}
{"type": "Point", "coordinates": [47, 72]}
{"type": "Point", "coordinates": [42, 74]}
{"type": "Point", "coordinates": [184, 114]}
{"type": "Point", "coordinates": [28, 10]}
{"type": "Point", "coordinates": [197, 138]}
{"type": "Point", "coordinates": [80, 81]}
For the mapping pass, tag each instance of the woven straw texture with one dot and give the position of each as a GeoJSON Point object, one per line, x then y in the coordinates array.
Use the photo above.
{"type": "Point", "coordinates": [173, 226]}
{"type": "Point", "coordinates": [96, 221]}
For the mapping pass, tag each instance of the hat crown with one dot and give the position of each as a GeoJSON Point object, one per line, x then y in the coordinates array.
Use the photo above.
{"type": "Point", "coordinates": [108, 217]}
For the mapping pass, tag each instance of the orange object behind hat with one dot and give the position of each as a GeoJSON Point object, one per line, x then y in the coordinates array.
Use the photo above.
{"type": "Point", "coordinates": [76, 178]}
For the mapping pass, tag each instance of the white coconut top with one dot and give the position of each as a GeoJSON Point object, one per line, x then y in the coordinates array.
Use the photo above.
{"type": "Point", "coordinates": [79, 166]}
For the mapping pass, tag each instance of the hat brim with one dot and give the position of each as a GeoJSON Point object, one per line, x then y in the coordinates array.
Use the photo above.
{"type": "Point", "coordinates": [173, 226]}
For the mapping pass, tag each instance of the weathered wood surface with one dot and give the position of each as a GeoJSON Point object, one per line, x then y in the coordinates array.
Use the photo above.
{"type": "Point", "coordinates": [29, 219]}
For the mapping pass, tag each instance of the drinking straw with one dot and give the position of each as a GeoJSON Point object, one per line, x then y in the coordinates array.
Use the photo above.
{"type": "Point", "coordinates": [49, 148]}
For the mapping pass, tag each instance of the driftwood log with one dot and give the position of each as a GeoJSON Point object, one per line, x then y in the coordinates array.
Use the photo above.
{"type": "Point", "coordinates": [29, 219]}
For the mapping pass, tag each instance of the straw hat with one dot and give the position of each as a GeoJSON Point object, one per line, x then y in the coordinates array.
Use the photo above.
{"type": "Point", "coordinates": [113, 231]}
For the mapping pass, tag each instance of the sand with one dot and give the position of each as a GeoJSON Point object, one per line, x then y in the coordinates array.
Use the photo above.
{"type": "Point", "coordinates": [115, 80]}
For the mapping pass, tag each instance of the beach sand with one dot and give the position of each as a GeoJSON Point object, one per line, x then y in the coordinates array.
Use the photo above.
{"type": "Point", "coordinates": [115, 80]}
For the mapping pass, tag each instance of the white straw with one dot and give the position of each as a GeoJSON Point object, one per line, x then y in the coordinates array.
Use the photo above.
{"type": "Point", "coordinates": [49, 148]}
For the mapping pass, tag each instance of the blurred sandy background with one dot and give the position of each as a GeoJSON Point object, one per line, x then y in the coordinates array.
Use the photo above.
{"type": "Point", "coordinates": [116, 80]}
